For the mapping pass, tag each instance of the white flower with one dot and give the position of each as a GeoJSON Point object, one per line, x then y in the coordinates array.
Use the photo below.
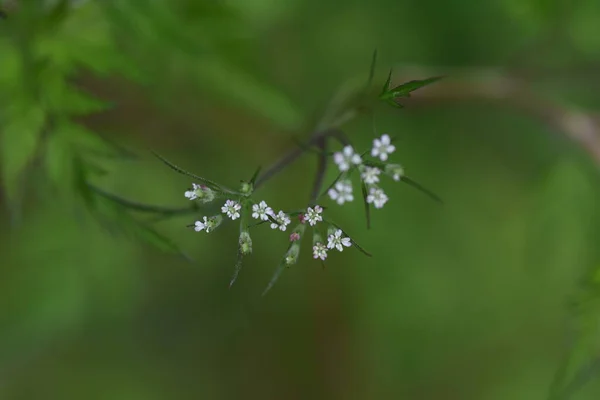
{"type": "Point", "coordinates": [314, 215]}
{"type": "Point", "coordinates": [282, 219]}
{"type": "Point", "coordinates": [201, 192]}
{"type": "Point", "coordinates": [261, 211]}
{"type": "Point", "coordinates": [377, 197]}
{"type": "Point", "coordinates": [382, 147]}
{"type": "Point", "coordinates": [341, 192]}
{"type": "Point", "coordinates": [319, 251]}
{"type": "Point", "coordinates": [231, 208]}
{"type": "Point", "coordinates": [337, 241]}
{"type": "Point", "coordinates": [370, 175]}
{"type": "Point", "coordinates": [346, 158]}
{"type": "Point", "coordinates": [194, 193]}
{"type": "Point", "coordinates": [202, 226]}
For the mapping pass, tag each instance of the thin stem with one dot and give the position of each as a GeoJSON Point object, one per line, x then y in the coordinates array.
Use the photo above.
{"type": "Point", "coordinates": [292, 156]}
{"type": "Point", "coordinates": [321, 168]}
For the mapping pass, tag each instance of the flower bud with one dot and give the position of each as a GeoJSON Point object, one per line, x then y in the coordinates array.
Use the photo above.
{"type": "Point", "coordinates": [246, 188]}
{"type": "Point", "coordinates": [245, 243]}
{"type": "Point", "coordinates": [291, 257]}
{"type": "Point", "coordinates": [395, 171]}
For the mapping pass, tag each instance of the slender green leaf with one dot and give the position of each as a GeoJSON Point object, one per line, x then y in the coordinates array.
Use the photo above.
{"type": "Point", "coordinates": [405, 89]}
{"type": "Point", "coordinates": [422, 189]}
{"type": "Point", "coordinates": [386, 85]}
{"type": "Point", "coordinates": [237, 269]}
{"type": "Point", "coordinates": [367, 205]}
{"type": "Point", "coordinates": [275, 277]}
{"type": "Point", "coordinates": [208, 182]}
{"type": "Point", "coordinates": [253, 179]}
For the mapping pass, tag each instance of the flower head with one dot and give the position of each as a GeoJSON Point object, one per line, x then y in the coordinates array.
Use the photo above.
{"type": "Point", "coordinates": [346, 158]}
{"type": "Point", "coordinates": [337, 241]}
{"type": "Point", "coordinates": [282, 221]}
{"type": "Point", "coordinates": [313, 215]}
{"type": "Point", "coordinates": [377, 197]}
{"type": "Point", "coordinates": [382, 147]}
{"type": "Point", "coordinates": [294, 237]}
{"type": "Point", "coordinates": [232, 209]}
{"type": "Point", "coordinates": [341, 192]}
{"type": "Point", "coordinates": [319, 251]}
{"type": "Point", "coordinates": [370, 175]}
{"type": "Point", "coordinates": [201, 192]}
{"type": "Point", "coordinates": [261, 211]}
{"type": "Point", "coordinates": [208, 224]}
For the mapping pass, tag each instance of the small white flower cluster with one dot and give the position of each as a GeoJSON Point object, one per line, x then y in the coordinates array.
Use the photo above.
{"type": "Point", "coordinates": [335, 240]}
{"type": "Point", "coordinates": [341, 192]}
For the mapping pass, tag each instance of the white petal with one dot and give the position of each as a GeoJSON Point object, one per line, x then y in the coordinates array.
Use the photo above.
{"type": "Point", "coordinates": [391, 148]}
{"type": "Point", "coordinates": [383, 156]}
{"type": "Point", "coordinates": [348, 151]}
{"type": "Point", "coordinates": [338, 158]}
{"type": "Point", "coordinates": [385, 139]}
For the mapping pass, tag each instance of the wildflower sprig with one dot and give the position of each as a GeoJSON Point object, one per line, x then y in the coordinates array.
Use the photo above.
{"type": "Point", "coordinates": [371, 166]}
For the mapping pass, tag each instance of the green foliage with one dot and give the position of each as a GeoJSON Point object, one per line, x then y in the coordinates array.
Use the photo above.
{"type": "Point", "coordinates": [391, 95]}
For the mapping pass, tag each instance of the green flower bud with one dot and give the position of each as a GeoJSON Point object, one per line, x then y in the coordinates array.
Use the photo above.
{"type": "Point", "coordinates": [246, 188]}
{"type": "Point", "coordinates": [245, 243]}
{"type": "Point", "coordinates": [395, 171]}
{"type": "Point", "coordinates": [291, 257]}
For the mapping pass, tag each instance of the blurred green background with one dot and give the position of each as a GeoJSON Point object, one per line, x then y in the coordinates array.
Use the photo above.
{"type": "Point", "coordinates": [465, 301]}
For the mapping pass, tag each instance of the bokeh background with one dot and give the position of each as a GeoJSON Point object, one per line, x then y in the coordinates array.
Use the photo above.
{"type": "Point", "coordinates": [465, 301]}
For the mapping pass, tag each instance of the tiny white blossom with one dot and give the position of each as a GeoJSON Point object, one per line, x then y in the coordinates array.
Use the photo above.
{"type": "Point", "coordinates": [320, 251]}
{"type": "Point", "coordinates": [370, 175]}
{"type": "Point", "coordinates": [261, 211]}
{"type": "Point", "coordinates": [282, 219]}
{"type": "Point", "coordinates": [382, 147]}
{"type": "Point", "coordinates": [346, 158]}
{"type": "Point", "coordinates": [201, 226]}
{"type": "Point", "coordinates": [313, 215]}
{"type": "Point", "coordinates": [377, 197]}
{"type": "Point", "coordinates": [231, 208]}
{"type": "Point", "coordinates": [337, 241]}
{"type": "Point", "coordinates": [193, 194]}
{"type": "Point", "coordinates": [341, 192]}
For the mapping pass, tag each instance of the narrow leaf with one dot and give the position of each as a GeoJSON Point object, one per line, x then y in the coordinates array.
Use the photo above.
{"type": "Point", "coordinates": [422, 189]}
{"type": "Point", "coordinates": [255, 175]}
{"type": "Point", "coordinates": [405, 89]}
{"type": "Point", "coordinates": [386, 86]}
{"type": "Point", "coordinates": [237, 269]}
{"type": "Point", "coordinates": [174, 167]}
{"type": "Point", "coordinates": [367, 205]}
{"type": "Point", "coordinates": [275, 277]}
